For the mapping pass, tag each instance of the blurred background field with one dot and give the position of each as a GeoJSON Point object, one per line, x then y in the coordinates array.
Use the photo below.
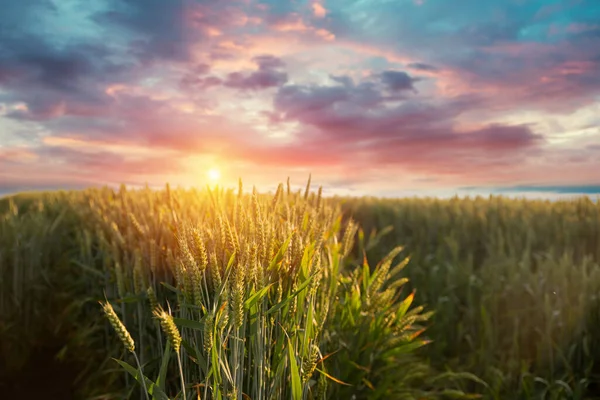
{"type": "Point", "coordinates": [505, 293]}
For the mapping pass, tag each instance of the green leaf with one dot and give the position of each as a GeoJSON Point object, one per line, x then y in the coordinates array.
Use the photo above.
{"type": "Point", "coordinates": [188, 323]}
{"type": "Point", "coordinates": [153, 389]}
{"type": "Point", "coordinates": [130, 299]}
{"type": "Point", "coordinates": [307, 257]}
{"type": "Point", "coordinates": [309, 322]}
{"type": "Point", "coordinates": [332, 378]}
{"type": "Point", "coordinates": [458, 376]}
{"type": "Point", "coordinates": [215, 366]}
{"type": "Point", "coordinates": [565, 386]}
{"type": "Point", "coordinates": [170, 287]}
{"type": "Point", "coordinates": [89, 269]}
{"type": "Point", "coordinates": [406, 348]}
{"type": "Point", "coordinates": [283, 303]}
{"type": "Point", "coordinates": [295, 375]}
{"type": "Point", "coordinates": [256, 297]}
{"type": "Point", "coordinates": [404, 305]}
{"type": "Point", "coordinates": [162, 374]}
{"type": "Point", "coordinates": [280, 253]}
{"type": "Point", "coordinates": [361, 241]}
{"type": "Point", "coordinates": [231, 261]}
{"type": "Point", "coordinates": [365, 275]}
{"type": "Point", "coordinates": [194, 353]}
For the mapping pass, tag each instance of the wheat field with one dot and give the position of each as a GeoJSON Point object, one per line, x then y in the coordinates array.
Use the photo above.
{"type": "Point", "coordinates": [233, 294]}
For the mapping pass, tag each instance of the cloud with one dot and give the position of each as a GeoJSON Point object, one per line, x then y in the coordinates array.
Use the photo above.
{"type": "Point", "coordinates": [363, 109]}
{"type": "Point", "coordinates": [593, 147]}
{"type": "Point", "coordinates": [558, 78]}
{"type": "Point", "coordinates": [497, 47]}
{"type": "Point", "coordinates": [158, 29]}
{"type": "Point", "coordinates": [256, 80]}
{"type": "Point", "coordinates": [17, 155]}
{"type": "Point", "coordinates": [80, 164]}
{"type": "Point", "coordinates": [268, 62]}
{"type": "Point", "coordinates": [52, 79]}
{"type": "Point", "coordinates": [422, 67]}
{"type": "Point", "coordinates": [397, 80]}
{"type": "Point", "coordinates": [267, 76]}
{"type": "Point", "coordinates": [451, 94]}
{"type": "Point", "coordinates": [318, 10]}
{"type": "Point", "coordinates": [369, 129]}
{"type": "Point", "coordinates": [199, 83]}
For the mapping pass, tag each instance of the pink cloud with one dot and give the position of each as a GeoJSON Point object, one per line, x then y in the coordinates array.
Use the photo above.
{"type": "Point", "coordinates": [553, 77]}
{"type": "Point", "coordinates": [325, 96]}
{"type": "Point", "coordinates": [318, 9]}
{"type": "Point", "coordinates": [78, 161]}
{"type": "Point", "coordinates": [325, 34]}
{"type": "Point", "coordinates": [291, 23]}
{"type": "Point", "coordinates": [17, 155]}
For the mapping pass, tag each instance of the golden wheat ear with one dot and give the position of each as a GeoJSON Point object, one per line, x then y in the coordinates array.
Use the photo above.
{"type": "Point", "coordinates": [118, 326]}
{"type": "Point", "coordinates": [169, 328]}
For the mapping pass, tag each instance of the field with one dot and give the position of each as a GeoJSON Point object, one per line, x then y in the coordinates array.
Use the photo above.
{"type": "Point", "coordinates": [233, 294]}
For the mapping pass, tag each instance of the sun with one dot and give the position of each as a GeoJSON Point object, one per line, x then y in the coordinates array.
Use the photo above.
{"type": "Point", "coordinates": [214, 174]}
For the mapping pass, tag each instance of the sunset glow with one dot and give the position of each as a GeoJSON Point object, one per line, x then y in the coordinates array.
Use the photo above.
{"type": "Point", "coordinates": [214, 175]}
{"type": "Point", "coordinates": [384, 98]}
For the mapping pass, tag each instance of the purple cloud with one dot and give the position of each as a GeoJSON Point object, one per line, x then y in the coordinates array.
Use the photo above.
{"type": "Point", "coordinates": [268, 75]}
{"type": "Point", "coordinates": [459, 91]}
{"type": "Point", "coordinates": [262, 79]}
{"type": "Point", "coordinates": [397, 80]}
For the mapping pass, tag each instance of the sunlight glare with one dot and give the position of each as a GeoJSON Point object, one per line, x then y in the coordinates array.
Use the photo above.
{"type": "Point", "coordinates": [214, 174]}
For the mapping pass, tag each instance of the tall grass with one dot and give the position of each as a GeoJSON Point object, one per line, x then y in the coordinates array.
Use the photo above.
{"type": "Point", "coordinates": [259, 292]}
{"type": "Point", "coordinates": [217, 294]}
{"type": "Point", "coordinates": [46, 301]}
{"type": "Point", "coordinates": [514, 284]}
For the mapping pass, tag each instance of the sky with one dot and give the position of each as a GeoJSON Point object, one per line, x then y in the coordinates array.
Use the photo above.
{"type": "Point", "coordinates": [371, 97]}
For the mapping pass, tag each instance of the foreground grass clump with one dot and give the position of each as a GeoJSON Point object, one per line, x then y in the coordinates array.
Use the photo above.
{"type": "Point", "coordinates": [254, 296]}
